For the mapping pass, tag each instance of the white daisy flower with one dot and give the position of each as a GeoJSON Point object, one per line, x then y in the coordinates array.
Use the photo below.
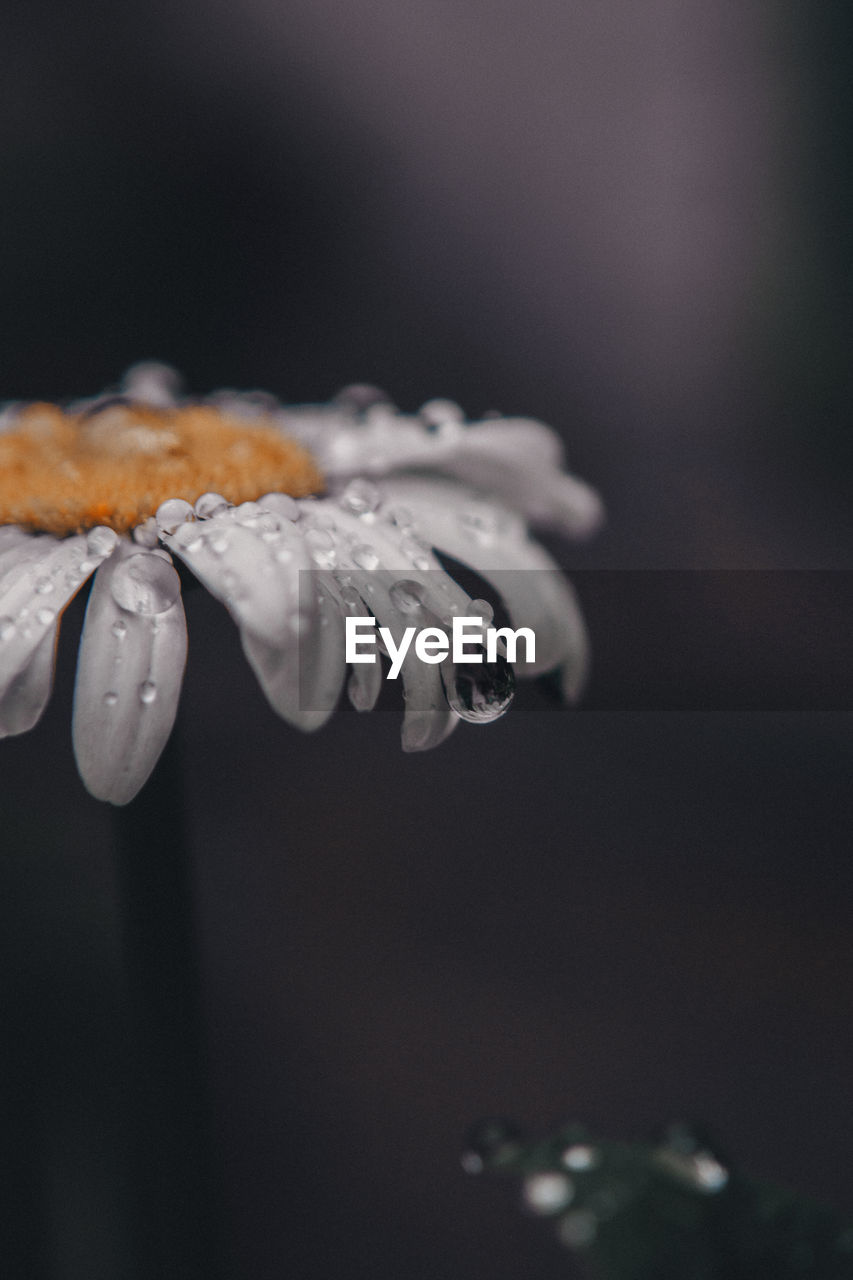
{"type": "Point", "coordinates": [246, 494]}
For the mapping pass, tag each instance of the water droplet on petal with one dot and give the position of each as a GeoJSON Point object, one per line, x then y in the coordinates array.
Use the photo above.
{"type": "Point", "coordinates": [360, 396]}
{"type": "Point", "coordinates": [442, 416]}
{"type": "Point", "coordinates": [110, 698]}
{"type": "Point", "coordinates": [189, 538]}
{"type": "Point", "coordinates": [361, 497]}
{"type": "Point", "coordinates": [145, 534]}
{"type": "Point", "coordinates": [415, 549]}
{"type": "Point", "coordinates": [145, 584]}
{"type": "Point", "coordinates": [230, 582]}
{"type": "Point", "coordinates": [44, 586]}
{"type": "Point", "coordinates": [7, 627]}
{"type": "Point", "coordinates": [172, 513]}
{"type": "Point", "coordinates": [247, 513]}
{"type": "Point", "coordinates": [284, 555]}
{"type": "Point", "coordinates": [481, 609]}
{"type": "Point", "coordinates": [282, 504]}
{"type": "Point", "coordinates": [147, 692]}
{"type": "Point", "coordinates": [365, 556]}
{"type": "Point", "coordinates": [401, 517]}
{"type": "Point", "coordinates": [45, 617]}
{"type": "Point", "coordinates": [321, 544]}
{"type": "Point", "coordinates": [479, 692]}
{"type": "Point", "coordinates": [210, 504]}
{"type": "Point", "coordinates": [547, 1193]}
{"type": "Point", "coordinates": [101, 541]}
{"type": "Point", "coordinates": [405, 596]}
{"type": "Point", "coordinates": [218, 543]}
{"type": "Point", "coordinates": [480, 524]}
{"type": "Point", "coordinates": [119, 628]}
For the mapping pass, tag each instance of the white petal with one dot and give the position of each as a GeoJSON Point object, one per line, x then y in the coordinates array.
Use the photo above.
{"type": "Point", "coordinates": [516, 459]}
{"type": "Point", "coordinates": [22, 551]}
{"type": "Point", "coordinates": [11, 536]}
{"type": "Point", "coordinates": [302, 680]}
{"type": "Point", "coordinates": [365, 681]}
{"type": "Point", "coordinates": [27, 696]}
{"type": "Point", "coordinates": [493, 542]}
{"type": "Point", "coordinates": [373, 559]}
{"type": "Point", "coordinates": [129, 673]}
{"type": "Point", "coordinates": [256, 578]}
{"type": "Point", "coordinates": [34, 590]}
{"type": "Point", "coordinates": [427, 718]}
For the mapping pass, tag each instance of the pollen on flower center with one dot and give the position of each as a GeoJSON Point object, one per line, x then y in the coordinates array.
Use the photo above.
{"type": "Point", "coordinates": [63, 473]}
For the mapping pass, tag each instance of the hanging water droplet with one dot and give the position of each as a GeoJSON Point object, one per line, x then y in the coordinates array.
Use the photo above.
{"type": "Point", "coordinates": [147, 692]}
{"type": "Point", "coordinates": [7, 627]}
{"type": "Point", "coordinates": [481, 609]}
{"type": "Point", "coordinates": [45, 617]}
{"type": "Point", "coordinates": [406, 596]}
{"type": "Point", "coordinates": [101, 541]}
{"type": "Point", "coordinates": [210, 504]}
{"type": "Point", "coordinates": [361, 497]}
{"type": "Point", "coordinates": [282, 504]}
{"type": "Point", "coordinates": [365, 556]}
{"type": "Point", "coordinates": [119, 628]}
{"type": "Point", "coordinates": [547, 1193]}
{"type": "Point", "coordinates": [44, 586]}
{"type": "Point", "coordinates": [145, 534]}
{"type": "Point", "coordinates": [145, 584]}
{"type": "Point", "coordinates": [172, 513]}
{"type": "Point", "coordinates": [111, 698]}
{"type": "Point", "coordinates": [478, 692]}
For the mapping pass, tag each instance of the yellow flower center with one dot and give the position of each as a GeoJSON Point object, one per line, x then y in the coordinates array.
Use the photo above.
{"type": "Point", "coordinates": [62, 473]}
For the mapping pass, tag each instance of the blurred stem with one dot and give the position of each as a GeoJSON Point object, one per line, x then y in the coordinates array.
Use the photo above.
{"type": "Point", "coordinates": [171, 1166]}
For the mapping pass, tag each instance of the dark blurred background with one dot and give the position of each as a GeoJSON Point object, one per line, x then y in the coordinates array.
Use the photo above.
{"type": "Point", "coordinates": [633, 222]}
